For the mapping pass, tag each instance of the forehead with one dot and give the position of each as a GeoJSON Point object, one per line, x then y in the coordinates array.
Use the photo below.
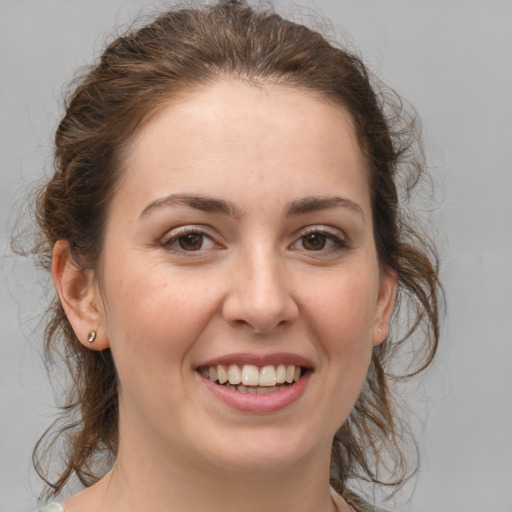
{"type": "Point", "coordinates": [265, 136]}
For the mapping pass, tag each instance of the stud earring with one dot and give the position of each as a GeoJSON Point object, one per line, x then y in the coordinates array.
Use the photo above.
{"type": "Point", "coordinates": [92, 337]}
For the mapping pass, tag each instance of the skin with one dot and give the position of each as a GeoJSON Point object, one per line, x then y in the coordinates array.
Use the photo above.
{"type": "Point", "coordinates": [258, 285]}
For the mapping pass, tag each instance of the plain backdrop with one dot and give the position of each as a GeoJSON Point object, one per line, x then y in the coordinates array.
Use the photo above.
{"type": "Point", "coordinates": [452, 59]}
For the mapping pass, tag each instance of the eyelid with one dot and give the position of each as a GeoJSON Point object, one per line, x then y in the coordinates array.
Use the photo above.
{"type": "Point", "coordinates": [321, 228]}
{"type": "Point", "coordinates": [174, 234]}
{"type": "Point", "coordinates": [337, 236]}
{"type": "Point", "coordinates": [183, 230]}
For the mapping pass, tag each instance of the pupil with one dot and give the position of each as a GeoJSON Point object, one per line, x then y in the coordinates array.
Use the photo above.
{"type": "Point", "coordinates": [191, 242]}
{"type": "Point", "coordinates": [314, 242]}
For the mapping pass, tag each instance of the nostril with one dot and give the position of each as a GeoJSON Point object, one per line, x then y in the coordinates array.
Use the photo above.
{"type": "Point", "coordinates": [260, 317]}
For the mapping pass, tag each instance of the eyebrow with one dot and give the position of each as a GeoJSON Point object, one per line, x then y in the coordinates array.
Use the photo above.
{"type": "Point", "coordinates": [214, 205]}
{"type": "Point", "coordinates": [313, 203]}
{"type": "Point", "coordinates": [203, 203]}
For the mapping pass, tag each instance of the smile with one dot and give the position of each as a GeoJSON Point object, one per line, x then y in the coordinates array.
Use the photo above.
{"type": "Point", "coordinates": [253, 379]}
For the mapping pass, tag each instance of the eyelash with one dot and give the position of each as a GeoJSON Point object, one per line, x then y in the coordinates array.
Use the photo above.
{"type": "Point", "coordinates": [339, 244]}
{"type": "Point", "coordinates": [170, 243]}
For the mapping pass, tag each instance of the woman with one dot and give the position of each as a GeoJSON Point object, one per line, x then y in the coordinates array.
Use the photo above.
{"type": "Point", "coordinates": [228, 249]}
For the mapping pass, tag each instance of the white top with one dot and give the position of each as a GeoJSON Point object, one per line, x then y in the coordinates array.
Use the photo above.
{"type": "Point", "coordinates": [358, 504]}
{"type": "Point", "coordinates": [54, 507]}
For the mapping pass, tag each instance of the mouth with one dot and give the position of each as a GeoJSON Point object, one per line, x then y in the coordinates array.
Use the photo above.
{"type": "Point", "coordinates": [252, 379]}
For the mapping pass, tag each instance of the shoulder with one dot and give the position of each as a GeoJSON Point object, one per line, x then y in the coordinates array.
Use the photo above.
{"type": "Point", "coordinates": [361, 505]}
{"type": "Point", "coordinates": [356, 503]}
{"type": "Point", "coordinates": [54, 507]}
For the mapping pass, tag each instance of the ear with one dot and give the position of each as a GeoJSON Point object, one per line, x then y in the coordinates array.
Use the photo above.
{"type": "Point", "coordinates": [385, 304]}
{"type": "Point", "coordinates": [79, 296]}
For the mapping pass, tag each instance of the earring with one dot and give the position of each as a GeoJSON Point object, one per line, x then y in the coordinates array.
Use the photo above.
{"type": "Point", "coordinates": [92, 337]}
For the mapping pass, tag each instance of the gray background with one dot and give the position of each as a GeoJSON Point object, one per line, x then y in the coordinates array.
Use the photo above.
{"type": "Point", "coordinates": [453, 61]}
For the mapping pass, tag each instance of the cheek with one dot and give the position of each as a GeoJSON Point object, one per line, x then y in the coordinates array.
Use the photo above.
{"type": "Point", "coordinates": [154, 314]}
{"type": "Point", "coordinates": [343, 313]}
{"type": "Point", "coordinates": [345, 331]}
{"type": "Point", "coordinates": [346, 307]}
{"type": "Point", "coordinates": [154, 321]}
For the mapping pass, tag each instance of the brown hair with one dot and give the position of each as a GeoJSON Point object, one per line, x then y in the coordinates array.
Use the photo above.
{"type": "Point", "coordinates": [136, 75]}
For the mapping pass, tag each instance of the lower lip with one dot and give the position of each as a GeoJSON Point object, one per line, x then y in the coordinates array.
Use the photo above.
{"type": "Point", "coordinates": [264, 403]}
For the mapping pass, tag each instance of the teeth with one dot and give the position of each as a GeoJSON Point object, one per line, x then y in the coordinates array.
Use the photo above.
{"type": "Point", "coordinates": [290, 373]}
{"type": "Point", "coordinates": [246, 379]}
{"type": "Point", "coordinates": [250, 375]}
{"type": "Point", "coordinates": [212, 373]}
{"type": "Point", "coordinates": [281, 374]}
{"type": "Point", "coordinates": [234, 374]}
{"type": "Point", "coordinates": [273, 389]}
{"type": "Point", "coordinates": [221, 374]}
{"type": "Point", "coordinates": [268, 376]}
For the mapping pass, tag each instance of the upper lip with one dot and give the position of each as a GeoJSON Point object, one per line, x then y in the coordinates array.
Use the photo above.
{"type": "Point", "coordinates": [259, 359]}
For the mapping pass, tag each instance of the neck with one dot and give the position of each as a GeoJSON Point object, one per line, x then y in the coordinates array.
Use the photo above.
{"type": "Point", "coordinates": [185, 488]}
{"type": "Point", "coordinates": [149, 476]}
{"type": "Point", "coordinates": [145, 482]}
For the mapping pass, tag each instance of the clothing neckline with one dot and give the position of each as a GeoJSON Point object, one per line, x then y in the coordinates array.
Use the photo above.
{"type": "Point", "coordinates": [354, 502]}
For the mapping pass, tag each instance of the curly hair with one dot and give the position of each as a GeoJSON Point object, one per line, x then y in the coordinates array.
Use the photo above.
{"type": "Point", "coordinates": [110, 103]}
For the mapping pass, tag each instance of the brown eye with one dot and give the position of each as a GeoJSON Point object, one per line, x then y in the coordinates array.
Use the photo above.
{"type": "Point", "coordinates": [191, 242]}
{"type": "Point", "coordinates": [314, 242]}
{"type": "Point", "coordinates": [188, 240]}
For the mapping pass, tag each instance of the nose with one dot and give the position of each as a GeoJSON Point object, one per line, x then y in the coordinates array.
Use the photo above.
{"type": "Point", "coordinates": [260, 298]}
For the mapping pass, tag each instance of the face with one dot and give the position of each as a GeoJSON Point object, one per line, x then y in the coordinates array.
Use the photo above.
{"type": "Point", "coordinates": [241, 294]}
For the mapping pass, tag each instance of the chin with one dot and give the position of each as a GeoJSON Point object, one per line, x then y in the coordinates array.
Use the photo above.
{"type": "Point", "coordinates": [260, 454]}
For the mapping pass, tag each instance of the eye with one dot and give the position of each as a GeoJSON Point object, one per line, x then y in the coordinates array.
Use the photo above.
{"type": "Point", "coordinates": [319, 240]}
{"type": "Point", "coordinates": [188, 240]}
{"type": "Point", "coordinates": [191, 241]}
{"type": "Point", "coordinates": [314, 241]}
